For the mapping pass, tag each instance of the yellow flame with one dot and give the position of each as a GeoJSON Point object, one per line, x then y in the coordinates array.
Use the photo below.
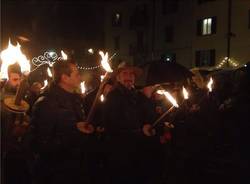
{"type": "Point", "coordinates": [105, 63]}
{"type": "Point", "coordinates": [45, 84]}
{"type": "Point", "coordinates": [102, 98]}
{"type": "Point", "coordinates": [168, 96]}
{"type": "Point", "coordinates": [209, 84]}
{"type": "Point", "coordinates": [83, 89]}
{"type": "Point", "coordinates": [49, 72]}
{"type": "Point", "coordinates": [64, 56]}
{"type": "Point", "coordinates": [12, 55]}
{"type": "Point", "coordinates": [185, 93]}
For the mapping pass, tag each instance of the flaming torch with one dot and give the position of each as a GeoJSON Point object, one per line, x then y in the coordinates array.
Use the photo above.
{"type": "Point", "coordinates": [108, 70]}
{"type": "Point", "coordinates": [10, 56]}
{"type": "Point", "coordinates": [210, 84]}
{"type": "Point", "coordinates": [45, 85]}
{"type": "Point", "coordinates": [171, 99]}
{"type": "Point", "coordinates": [83, 88]}
{"type": "Point", "coordinates": [64, 56]}
{"type": "Point", "coordinates": [185, 93]}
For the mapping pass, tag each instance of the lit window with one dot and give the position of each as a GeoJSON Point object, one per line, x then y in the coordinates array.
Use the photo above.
{"type": "Point", "coordinates": [207, 26]}
{"type": "Point", "coordinates": [117, 19]}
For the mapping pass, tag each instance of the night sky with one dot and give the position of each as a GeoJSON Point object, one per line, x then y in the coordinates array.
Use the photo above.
{"type": "Point", "coordinates": [52, 24]}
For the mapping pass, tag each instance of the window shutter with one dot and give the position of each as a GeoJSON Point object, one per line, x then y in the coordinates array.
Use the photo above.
{"type": "Point", "coordinates": [199, 27]}
{"type": "Point", "coordinates": [214, 25]}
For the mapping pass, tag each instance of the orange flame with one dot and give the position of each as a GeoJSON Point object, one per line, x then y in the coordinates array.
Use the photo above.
{"type": "Point", "coordinates": [49, 72]}
{"type": "Point", "coordinates": [64, 56]}
{"type": "Point", "coordinates": [45, 84]}
{"type": "Point", "coordinates": [102, 98]}
{"type": "Point", "coordinates": [169, 97]}
{"type": "Point", "coordinates": [209, 84]}
{"type": "Point", "coordinates": [185, 93]}
{"type": "Point", "coordinates": [12, 55]}
{"type": "Point", "coordinates": [105, 63]}
{"type": "Point", "coordinates": [83, 88]}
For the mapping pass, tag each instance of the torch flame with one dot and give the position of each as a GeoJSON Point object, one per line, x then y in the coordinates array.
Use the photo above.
{"type": "Point", "coordinates": [49, 72]}
{"type": "Point", "coordinates": [64, 56]}
{"type": "Point", "coordinates": [169, 97]}
{"type": "Point", "coordinates": [45, 84]}
{"type": "Point", "coordinates": [209, 84]}
{"type": "Point", "coordinates": [105, 63]}
{"type": "Point", "coordinates": [83, 89]}
{"type": "Point", "coordinates": [102, 98]}
{"type": "Point", "coordinates": [185, 93]}
{"type": "Point", "coordinates": [12, 55]}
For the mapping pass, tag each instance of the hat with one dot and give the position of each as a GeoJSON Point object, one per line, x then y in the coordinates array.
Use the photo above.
{"type": "Point", "coordinates": [125, 65]}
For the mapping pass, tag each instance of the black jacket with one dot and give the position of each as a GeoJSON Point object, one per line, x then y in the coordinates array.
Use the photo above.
{"type": "Point", "coordinates": [54, 122]}
{"type": "Point", "coordinates": [125, 111]}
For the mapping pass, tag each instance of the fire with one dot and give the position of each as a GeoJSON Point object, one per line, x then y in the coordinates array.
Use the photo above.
{"type": "Point", "coordinates": [185, 93]}
{"type": "Point", "coordinates": [49, 72]}
{"type": "Point", "coordinates": [169, 97]}
{"type": "Point", "coordinates": [209, 84]}
{"type": "Point", "coordinates": [64, 56]}
{"type": "Point", "coordinates": [12, 55]}
{"type": "Point", "coordinates": [102, 98]}
{"type": "Point", "coordinates": [105, 63]}
{"type": "Point", "coordinates": [45, 84]}
{"type": "Point", "coordinates": [83, 89]}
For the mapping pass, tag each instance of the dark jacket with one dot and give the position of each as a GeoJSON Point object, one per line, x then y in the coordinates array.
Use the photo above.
{"type": "Point", "coordinates": [125, 111]}
{"type": "Point", "coordinates": [54, 123]}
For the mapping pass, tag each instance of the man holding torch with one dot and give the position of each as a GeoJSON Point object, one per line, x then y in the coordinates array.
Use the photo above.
{"type": "Point", "coordinates": [59, 128]}
{"type": "Point", "coordinates": [126, 125]}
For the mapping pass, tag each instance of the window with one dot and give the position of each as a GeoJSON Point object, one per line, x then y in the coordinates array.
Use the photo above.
{"type": "Point", "coordinates": [169, 6]}
{"type": "Point", "coordinates": [117, 20]}
{"type": "Point", "coordinates": [204, 1]}
{"type": "Point", "coordinates": [205, 58]}
{"type": "Point", "coordinates": [139, 17]}
{"type": "Point", "coordinates": [206, 26]}
{"type": "Point", "coordinates": [169, 33]}
{"type": "Point", "coordinates": [248, 18]}
{"type": "Point", "coordinates": [140, 41]}
{"type": "Point", "coordinates": [117, 42]}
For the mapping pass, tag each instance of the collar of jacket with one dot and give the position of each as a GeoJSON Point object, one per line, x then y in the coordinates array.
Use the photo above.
{"type": "Point", "coordinates": [58, 91]}
{"type": "Point", "coordinates": [125, 90]}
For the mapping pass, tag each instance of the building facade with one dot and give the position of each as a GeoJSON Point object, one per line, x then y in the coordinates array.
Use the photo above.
{"type": "Point", "coordinates": [195, 33]}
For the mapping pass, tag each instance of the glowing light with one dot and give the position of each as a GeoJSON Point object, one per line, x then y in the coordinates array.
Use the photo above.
{"type": "Point", "coordinates": [49, 72]}
{"type": "Point", "coordinates": [102, 98]}
{"type": "Point", "coordinates": [83, 88]}
{"type": "Point", "coordinates": [209, 84]}
{"type": "Point", "coordinates": [64, 56]}
{"type": "Point", "coordinates": [185, 93]}
{"type": "Point", "coordinates": [12, 55]}
{"type": "Point", "coordinates": [102, 77]}
{"type": "Point", "coordinates": [91, 51]}
{"type": "Point", "coordinates": [169, 97]}
{"type": "Point", "coordinates": [45, 84]}
{"type": "Point", "coordinates": [105, 63]}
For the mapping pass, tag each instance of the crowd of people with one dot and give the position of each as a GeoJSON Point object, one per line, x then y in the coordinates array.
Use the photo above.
{"type": "Point", "coordinates": [56, 141]}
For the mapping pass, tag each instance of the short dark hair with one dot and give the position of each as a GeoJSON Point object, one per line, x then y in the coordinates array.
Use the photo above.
{"type": "Point", "coordinates": [62, 67]}
{"type": "Point", "coordinates": [14, 68]}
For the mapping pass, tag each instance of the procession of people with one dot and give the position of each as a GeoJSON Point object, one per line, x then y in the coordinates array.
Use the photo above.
{"type": "Point", "coordinates": [202, 140]}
